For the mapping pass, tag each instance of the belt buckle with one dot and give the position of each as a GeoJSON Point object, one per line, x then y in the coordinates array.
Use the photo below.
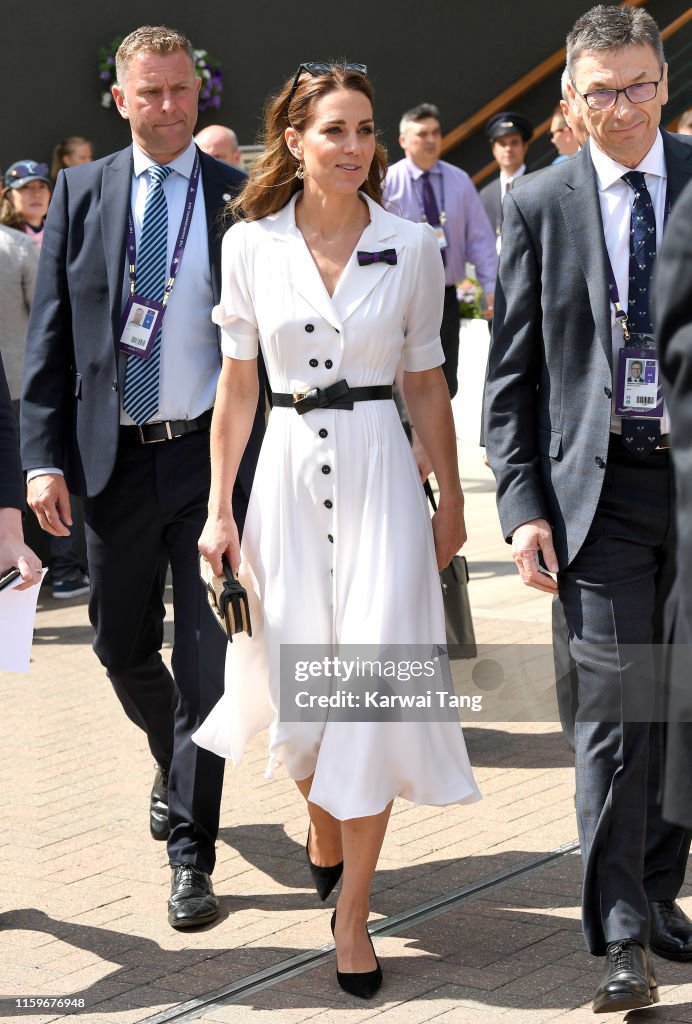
{"type": "Point", "coordinates": [155, 440]}
{"type": "Point", "coordinates": [298, 396]}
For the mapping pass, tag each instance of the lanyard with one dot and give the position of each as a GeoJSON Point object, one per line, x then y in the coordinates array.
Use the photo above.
{"type": "Point", "coordinates": [443, 215]}
{"type": "Point", "coordinates": [620, 314]}
{"type": "Point", "coordinates": [179, 245]}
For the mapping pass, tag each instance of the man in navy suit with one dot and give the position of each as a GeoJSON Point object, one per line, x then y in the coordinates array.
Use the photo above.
{"type": "Point", "coordinates": [578, 487]}
{"type": "Point", "coordinates": [129, 431]}
{"type": "Point", "coordinates": [13, 551]}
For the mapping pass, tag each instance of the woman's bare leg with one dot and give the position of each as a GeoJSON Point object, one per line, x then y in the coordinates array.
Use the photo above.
{"type": "Point", "coordinates": [325, 833]}
{"type": "Point", "coordinates": [362, 841]}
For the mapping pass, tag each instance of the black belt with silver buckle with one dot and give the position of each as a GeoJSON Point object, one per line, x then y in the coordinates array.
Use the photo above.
{"type": "Point", "coordinates": [165, 430]}
{"type": "Point", "coordinates": [336, 396]}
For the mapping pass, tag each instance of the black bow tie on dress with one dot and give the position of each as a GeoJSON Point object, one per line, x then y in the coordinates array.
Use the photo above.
{"type": "Point", "coordinates": [386, 256]}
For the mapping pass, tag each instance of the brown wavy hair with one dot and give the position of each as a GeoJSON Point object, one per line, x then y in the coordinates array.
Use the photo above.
{"type": "Point", "coordinates": [272, 179]}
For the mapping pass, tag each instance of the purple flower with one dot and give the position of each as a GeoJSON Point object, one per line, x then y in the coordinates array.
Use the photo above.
{"type": "Point", "coordinates": [105, 76]}
{"type": "Point", "coordinates": [110, 60]}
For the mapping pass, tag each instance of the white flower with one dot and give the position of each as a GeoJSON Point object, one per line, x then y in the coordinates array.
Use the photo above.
{"type": "Point", "coordinates": [206, 73]}
{"type": "Point", "coordinates": [106, 99]}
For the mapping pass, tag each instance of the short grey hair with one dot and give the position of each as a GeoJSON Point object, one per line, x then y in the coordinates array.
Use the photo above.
{"type": "Point", "coordinates": [150, 39]}
{"type": "Point", "coordinates": [419, 113]}
{"type": "Point", "coordinates": [612, 28]}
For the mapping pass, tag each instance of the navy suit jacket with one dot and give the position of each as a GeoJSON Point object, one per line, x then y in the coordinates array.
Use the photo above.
{"type": "Point", "coordinates": [11, 482]}
{"type": "Point", "coordinates": [550, 375]}
{"type": "Point", "coordinates": [71, 402]}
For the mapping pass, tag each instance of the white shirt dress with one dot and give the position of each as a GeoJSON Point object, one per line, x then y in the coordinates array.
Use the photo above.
{"type": "Point", "coordinates": [337, 547]}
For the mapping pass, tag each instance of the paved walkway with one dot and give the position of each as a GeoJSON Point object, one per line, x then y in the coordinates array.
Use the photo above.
{"type": "Point", "coordinates": [83, 888]}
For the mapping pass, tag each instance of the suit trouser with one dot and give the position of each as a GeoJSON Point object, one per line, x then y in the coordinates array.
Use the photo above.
{"type": "Point", "coordinates": [613, 595]}
{"type": "Point", "coordinates": [150, 516]}
{"type": "Point", "coordinates": [449, 336]}
{"type": "Point", "coordinates": [566, 686]}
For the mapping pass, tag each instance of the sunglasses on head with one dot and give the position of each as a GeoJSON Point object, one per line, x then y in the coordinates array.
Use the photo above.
{"type": "Point", "coordinates": [317, 68]}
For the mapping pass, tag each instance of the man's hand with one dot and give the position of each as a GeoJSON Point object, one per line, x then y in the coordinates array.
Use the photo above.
{"type": "Point", "coordinates": [527, 540]}
{"type": "Point", "coordinates": [49, 498]}
{"type": "Point", "coordinates": [489, 306]}
{"type": "Point", "coordinates": [13, 550]}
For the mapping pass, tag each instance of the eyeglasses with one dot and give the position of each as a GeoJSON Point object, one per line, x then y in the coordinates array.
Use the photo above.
{"type": "Point", "coordinates": [28, 169]}
{"type": "Point", "coordinates": [604, 99]}
{"type": "Point", "coordinates": [317, 68]}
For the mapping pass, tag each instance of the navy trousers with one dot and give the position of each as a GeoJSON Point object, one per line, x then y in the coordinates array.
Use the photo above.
{"type": "Point", "coordinates": [149, 517]}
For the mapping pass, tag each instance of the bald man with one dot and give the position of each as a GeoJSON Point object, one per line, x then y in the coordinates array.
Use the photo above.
{"type": "Point", "coordinates": [221, 143]}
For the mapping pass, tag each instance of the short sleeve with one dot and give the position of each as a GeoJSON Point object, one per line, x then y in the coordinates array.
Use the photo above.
{"type": "Point", "coordinates": [235, 314]}
{"type": "Point", "coordinates": [422, 346]}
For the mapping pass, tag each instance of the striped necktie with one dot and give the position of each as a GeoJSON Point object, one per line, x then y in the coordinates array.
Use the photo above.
{"type": "Point", "coordinates": [141, 397]}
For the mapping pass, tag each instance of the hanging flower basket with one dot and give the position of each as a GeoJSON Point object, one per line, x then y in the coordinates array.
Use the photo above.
{"type": "Point", "coordinates": [206, 68]}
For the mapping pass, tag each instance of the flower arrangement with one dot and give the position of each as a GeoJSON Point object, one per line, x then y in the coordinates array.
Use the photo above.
{"type": "Point", "coordinates": [206, 68]}
{"type": "Point", "coordinates": [469, 294]}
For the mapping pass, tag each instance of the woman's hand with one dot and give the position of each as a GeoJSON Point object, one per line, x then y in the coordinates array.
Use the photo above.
{"type": "Point", "coordinates": [220, 537]}
{"type": "Point", "coordinates": [449, 530]}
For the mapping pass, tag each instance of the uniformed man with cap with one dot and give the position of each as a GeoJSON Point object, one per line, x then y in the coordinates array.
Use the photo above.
{"type": "Point", "coordinates": [509, 134]}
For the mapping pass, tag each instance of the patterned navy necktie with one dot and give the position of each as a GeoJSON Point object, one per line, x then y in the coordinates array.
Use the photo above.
{"type": "Point", "coordinates": [640, 436]}
{"type": "Point", "coordinates": [141, 396]}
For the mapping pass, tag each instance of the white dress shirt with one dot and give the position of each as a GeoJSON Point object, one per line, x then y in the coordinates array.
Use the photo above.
{"type": "Point", "coordinates": [507, 179]}
{"type": "Point", "coordinates": [190, 362]}
{"type": "Point", "coordinates": [616, 199]}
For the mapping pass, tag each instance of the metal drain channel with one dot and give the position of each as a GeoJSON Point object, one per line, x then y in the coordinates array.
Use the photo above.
{"type": "Point", "coordinates": [294, 965]}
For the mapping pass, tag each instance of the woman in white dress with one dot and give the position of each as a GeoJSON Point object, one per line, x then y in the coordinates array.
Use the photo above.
{"type": "Point", "coordinates": [338, 547]}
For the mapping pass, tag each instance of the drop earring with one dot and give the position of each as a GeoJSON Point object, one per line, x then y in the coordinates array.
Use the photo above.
{"type": "Point", "coordinates": [300, 172]}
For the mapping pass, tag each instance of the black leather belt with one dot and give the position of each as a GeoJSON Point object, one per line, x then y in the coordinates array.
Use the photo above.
{"type": "Point", "coordinates": [165, 430]}
{"type": "Point", "coordinates": [336, 396]}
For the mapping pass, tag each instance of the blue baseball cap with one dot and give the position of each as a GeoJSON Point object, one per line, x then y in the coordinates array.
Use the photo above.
{"type": "Point", "coordinates": [22, 172]}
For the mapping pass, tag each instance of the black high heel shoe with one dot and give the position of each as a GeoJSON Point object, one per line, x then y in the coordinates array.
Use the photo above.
{"type": "Point", "coordinates": [363, 984]}
{"type": "Point", "coordinates": [324, 879]}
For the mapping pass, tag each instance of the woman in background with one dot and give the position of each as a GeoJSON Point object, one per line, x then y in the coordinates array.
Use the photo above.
{"type": "Point", "coordinates": [25, 198]}
{"type": "Point", "coordinates": [71, 152]}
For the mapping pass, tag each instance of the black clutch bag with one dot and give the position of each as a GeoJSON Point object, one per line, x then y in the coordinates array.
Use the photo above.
{"type": "Point", "coordinates": [454, 579]}
{"type": "Point", "coordinates": [227, 599]}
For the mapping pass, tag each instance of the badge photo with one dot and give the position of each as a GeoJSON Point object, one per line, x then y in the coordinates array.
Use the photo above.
{"type": "Point", "coordinates": [140, 325]}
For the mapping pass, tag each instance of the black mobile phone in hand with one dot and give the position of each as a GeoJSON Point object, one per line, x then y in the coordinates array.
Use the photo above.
{"type": "Point", "coordinates": [7, 576]}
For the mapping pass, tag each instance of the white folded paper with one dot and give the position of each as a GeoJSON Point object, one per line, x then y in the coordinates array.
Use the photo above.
{"type": "Point", "coordinates": [17, 617]}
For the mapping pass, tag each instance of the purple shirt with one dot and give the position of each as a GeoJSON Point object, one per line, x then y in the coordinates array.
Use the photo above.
{"type": "Point", "coordinates": [470, 237]}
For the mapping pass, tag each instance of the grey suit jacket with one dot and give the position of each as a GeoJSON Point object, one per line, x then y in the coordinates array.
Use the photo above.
{"type": "Point", "coordinates": [18, 262]}
{"type": "Point", "coordinates": [548, 396]}
{"type": "Point", "coordinates": [491, 197]}
{"type": "Point", "coordinates": [70, 415]}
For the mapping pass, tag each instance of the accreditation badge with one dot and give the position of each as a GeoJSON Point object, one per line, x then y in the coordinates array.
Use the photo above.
{"type": "Point", "coordinates": [638, 391]}
{"type": "Point", "coordinates": [441, 237]}
{"type": "Point", "coordinates": [140, 325]}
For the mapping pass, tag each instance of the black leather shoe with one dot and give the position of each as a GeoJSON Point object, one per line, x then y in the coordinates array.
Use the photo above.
{"type": "Point", "coordinates": [323, 878]}
{"type": "Point", "coordinates": [628, 982]}
{"type": "Point", "coordinates": [363, 984]}
{"type": "Point", "coordinates": [192, 901]}
{"type": "Point", "coordinates": [671, 930]}
{"type": "Point", "coordinates": [158, 805]}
